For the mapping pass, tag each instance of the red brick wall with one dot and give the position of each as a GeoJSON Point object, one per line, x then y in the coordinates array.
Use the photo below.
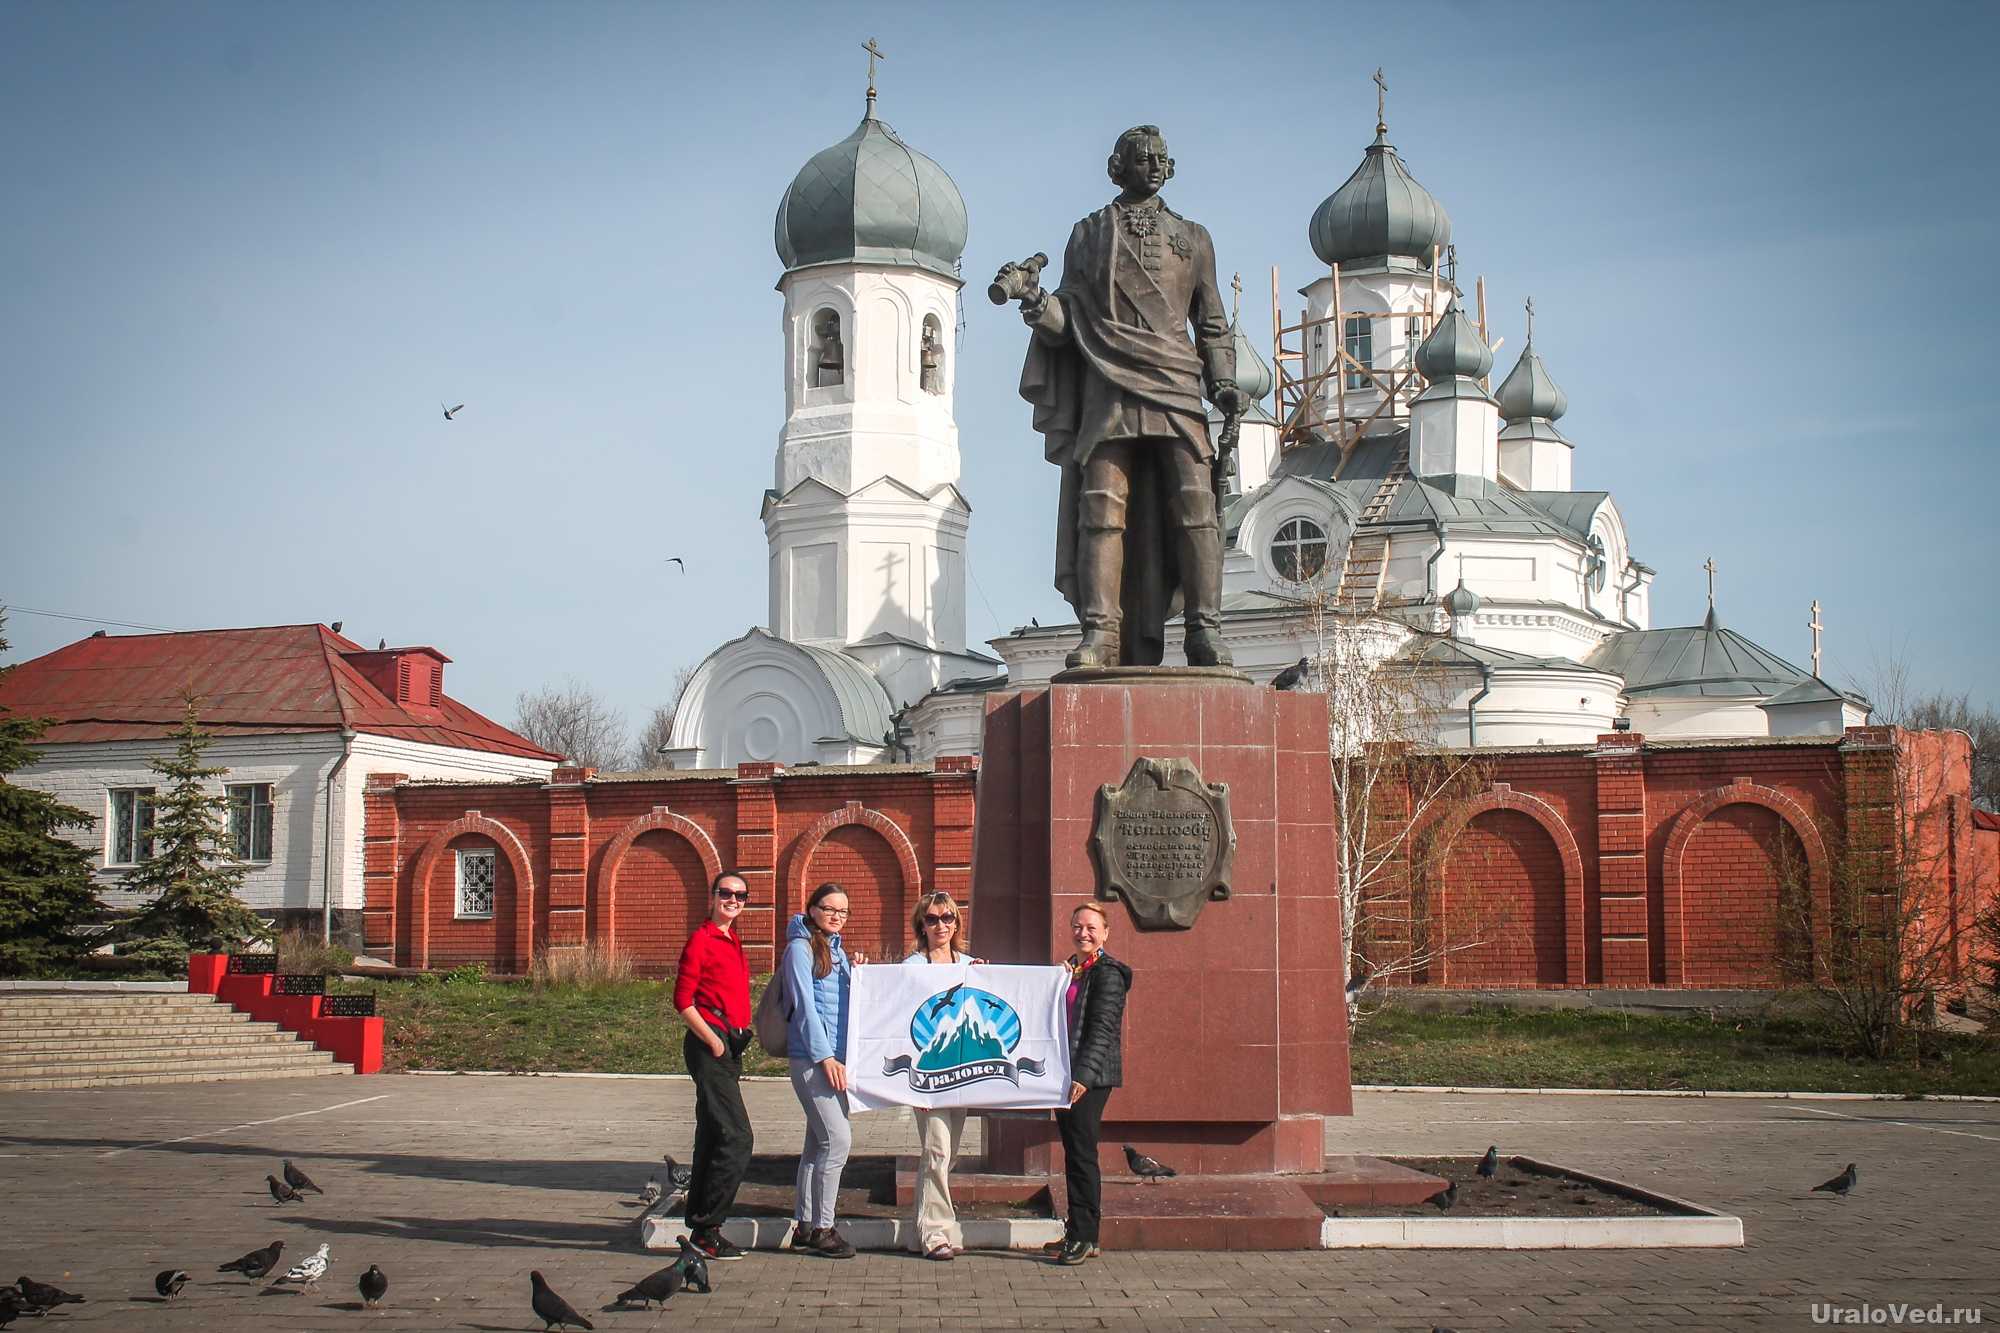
{"type": "Point", "coordinates": [662, 896]}
{"type": "Point", "coordinates": [455, 941]}
{"type": "Point", "coordinates": [1734, 867]}
{"type": "Point", "coordinates": [1504, 886]}
{"type": "Point", "coordinates": [861, 861]}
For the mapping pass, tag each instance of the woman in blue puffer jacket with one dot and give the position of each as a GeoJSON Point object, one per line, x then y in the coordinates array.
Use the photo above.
{"type": "Point", "coordinates": [817, 974]}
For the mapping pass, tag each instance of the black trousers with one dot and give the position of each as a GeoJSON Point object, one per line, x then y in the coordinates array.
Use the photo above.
{"type": "Point", "coordinates": [722, 1134]}
{"type": "Point", "coordinates": [1079, 1127]}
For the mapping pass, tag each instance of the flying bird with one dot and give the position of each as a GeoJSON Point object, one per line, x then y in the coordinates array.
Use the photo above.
{"type": "Point", "coordinates": [374, 1285]}
{"type": "Point", "coordinates": [308, 1271]}
{"type": "Point", "coordinates": [677, 1175]}
{"type": "Point", "coordinates": [676, 560]}
{"type": "Point", "coordinates": [694, 1267]}
{"type": "Point", "coordinates": [1840, 1184]}
{"type": "Point", "coordinates": [169, 1281]}
{"type": "Point", "coordinates": [256, 1263]}
{"type": "Point", "coordinates": [943, 1002]}
{"type": "Point", "coordinates": [282, 1192]}
{"type": "Point", "coordinates": [653, 1287]}
{"type": "Point", "coordinates": [1489, 1165]}
{"type": "Point", "coordinates": [551, 1309]}
{"type": "Point", "coordinates": [451, 413]}
{"type": "Point", "coordinates": [42, 1296]}
{"type": "Point", "coordinates": [1445, 1198]}
{"type": "Point", "coordinates": [1147, 1168]}
{"type": "Point", "coordinates": [1292, 676]}
{"type": "Point", "coordinates": [299, 1180]}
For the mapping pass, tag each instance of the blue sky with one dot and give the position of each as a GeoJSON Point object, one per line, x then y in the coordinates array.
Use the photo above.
{"type": "Point", "coordinates": [250, 247]}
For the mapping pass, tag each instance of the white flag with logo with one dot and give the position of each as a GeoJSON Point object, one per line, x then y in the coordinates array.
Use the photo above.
{"type": "Point", "coordinates": [958, 1034]}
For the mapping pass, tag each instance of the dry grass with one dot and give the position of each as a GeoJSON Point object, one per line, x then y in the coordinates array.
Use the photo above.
{"type": "Point", "coordinates": [301, 952]}
{"type": "Point", "coordinates": [589, 967]}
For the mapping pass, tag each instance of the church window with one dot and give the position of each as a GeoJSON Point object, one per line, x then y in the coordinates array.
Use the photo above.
{"type": "Point", "coordinates": [1596, 567]}
{"type": "Point", "coordinates": [828, 353]}
{"type": "Point", "coordinates": [930, 356]}
{"type": "Point", "coordinates": [478, 868]}
{"type": "Point", "coordinates": [1413, 337]}
{"type": "Point", "coordinates": [250, 820]}
{"type": "Point", "coordinates": [131, 826]}
{"type": "Point", "coordinates": [1299, 551]}
{"type": "Point", "coordinates": [1360, 338]}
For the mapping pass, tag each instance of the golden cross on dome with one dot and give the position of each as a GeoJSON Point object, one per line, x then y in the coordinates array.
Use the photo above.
{"type": "Point", "coordinates": [1381, 94]}
{"type": "Point", "coordinates": [874, 54]}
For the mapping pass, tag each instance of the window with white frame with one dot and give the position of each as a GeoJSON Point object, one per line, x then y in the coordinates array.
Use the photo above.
{"type": "Point", "coordinates": [1359, 332]}
{"type": "Point", "coordinates": [131, 826]}
{"type": "Point", "coordinates": [1298, 552]}
{"type": "Point", "coordinates": [1413, 338]}
{"type": "Point", "coordinates": [250, 820]}
{"type": "Point", "coordinates": [478, 867]}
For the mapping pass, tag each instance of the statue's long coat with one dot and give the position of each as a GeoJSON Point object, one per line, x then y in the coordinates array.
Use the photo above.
{"type": "Point", "coordinates": [1113, 339]}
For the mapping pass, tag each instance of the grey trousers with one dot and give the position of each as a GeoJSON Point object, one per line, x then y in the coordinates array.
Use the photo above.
{"type": "Point", "coordinates": [828, 1138]}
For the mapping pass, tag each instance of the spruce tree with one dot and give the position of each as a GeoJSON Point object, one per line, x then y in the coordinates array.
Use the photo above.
{"type": "Point", "coordinates": [46, 896]}
{"type": "Point", "coordinates": [193, 868]}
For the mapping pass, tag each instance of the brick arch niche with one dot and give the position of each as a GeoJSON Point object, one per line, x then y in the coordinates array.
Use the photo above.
{"type": "Point", "coordinates": [868, 855]}
{"type": "Point", "coordinates": [1724, 868]}
{"type": "Point", "coordinates": [1513, 875]}
{"type": "Point", "coordinates": [652, 888]}
{"type": "Point", "coordinates": [514, 910]}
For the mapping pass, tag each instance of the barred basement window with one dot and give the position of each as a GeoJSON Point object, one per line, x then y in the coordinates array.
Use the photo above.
{"type": "Point", "coordinates": [250, 820]}
{"type": "Point", "coordinates": [477, 869]}
{"type": "Point", "coordinates": [1299, 550]}
{"type": "Point", "coordinates": [131, 826]}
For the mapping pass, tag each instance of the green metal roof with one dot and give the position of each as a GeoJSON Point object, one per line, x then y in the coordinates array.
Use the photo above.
{"type": "Point", "coordinates": [1252, 375]}
{"type": "Point", "coordinates": [872, 198]}
{"type": "Point", "coordinates": [1570, 510]}
{"type": "Point", "coordinates": [1705, 661]}
{"type": "Point", "coordinates": [1454, 348]}
{"type": "Point", "coordinates": [865, 712]}
{"type": "Point", "coordinates": [1529, 392]}
{"type": "Point", "coordinates": [1380, 211]}
{"type": "Point", "coordinates": [1443, 650]}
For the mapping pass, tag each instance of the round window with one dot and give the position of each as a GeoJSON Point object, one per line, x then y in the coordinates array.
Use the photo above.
{"type": "Point", "coordinates": [1298, 552]}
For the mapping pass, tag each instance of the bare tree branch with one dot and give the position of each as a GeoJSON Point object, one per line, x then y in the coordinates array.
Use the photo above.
{"type": "Point", "coordinates": [574, 721]}
{"type": "Point", "coordinates": [659, 726]}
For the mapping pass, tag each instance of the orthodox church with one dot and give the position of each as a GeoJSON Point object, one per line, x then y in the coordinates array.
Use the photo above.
{"type": "Point", "coordinates": [1383, 482]}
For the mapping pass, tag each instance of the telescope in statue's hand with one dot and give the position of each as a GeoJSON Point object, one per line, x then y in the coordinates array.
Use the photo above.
{"type": "Point", "coordinates": [1017, 282]}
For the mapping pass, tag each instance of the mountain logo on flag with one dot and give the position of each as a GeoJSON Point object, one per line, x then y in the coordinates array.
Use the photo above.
{"type": "Point", "coordinates": [963, 1036]}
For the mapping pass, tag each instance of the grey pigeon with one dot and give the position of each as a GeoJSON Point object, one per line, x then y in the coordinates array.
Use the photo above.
{"type": "Point", "coordinates": [1841, 1183]}
{"type": "Point", "coordinates": [10, 1306]}
{"type": "Point", "coordinates": [256, 1263]}
{"type": "Point", "coordinates": [551, 1309]}
{"type": "Point", "coordinates": [374, 1285]}
{"type": "Point", "coordinates": [282, 1192]}
{"type": "Point", "coordinates": [653, 1287]}
{"type": "Point", "coordinates": [1445, 1198]}
{"type": "Point", "coordinates": [1489, 1165]}
{"type": "Point", "coordinates": [41, 1296]}
{"type": "Point", "coordinates": [677, 1175]}
{"type": "Point", "coordinates": [651, 1194]}
{"type": "Point", "coordinates": [694, 1267]}
{"type": "Point", "coordinates": [299, 1180]}
{"type": "Point", "coordinates": [1147, 1168]}
{"type": "Point", "coordinates": [169, 1281]}
{"type": "Point", "coordinates": [1292, 676]}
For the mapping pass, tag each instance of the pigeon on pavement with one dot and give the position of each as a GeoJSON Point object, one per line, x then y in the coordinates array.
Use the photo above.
{"type": "Point", "coordinates": [283, 1193]}
{"type": "Point", "coordinates": [1146, 1168]}
{"type": "Point", "coordinates": [677, 1175]}
{"type": "Point", "coordinates": [308, 1271]}
{"type": "Point", "coordinates": [374, 1285]}
{"type": "Point", "coordinates": [653, 1287]}
{"type": "Point", "coordinates": [41, 1296]}
{"type": "Point", "coordinates": [551, 1309]}
{"type": "Point", "coordinates": [169, 1281]}
{"type": "Point", "coordinates": [1489, 1165]}
{"type": "Point", "coordinates": [256, 1263]}
{"type": "Point", "coordinates": [1446, 1197]}
{"type": "Point", "coordinates": [651, 1194]}
{"type": "Point", "coordinates": [694, 1267]}
{"type": "Point", "coordinates": [1841, 1183]}
{"type": "Point", "coordinates": [10, 1306]}
{"type": "Point", "coordinates": [299, 1180]}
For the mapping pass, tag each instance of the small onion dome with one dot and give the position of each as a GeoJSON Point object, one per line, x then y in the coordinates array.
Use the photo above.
{"type": "Point", "coordinates": [1461, 601]}
{"type": "Point", "coordinates": [1528, 392]}
{"type": "Point", "coordinates": [872, 198]}
{"type": "Point", "coordinates": [1380, 211]}
{"type": "Point", "coordinates": [1252, 375]}
{"type": "Point", "coordinates": [1454, 349]}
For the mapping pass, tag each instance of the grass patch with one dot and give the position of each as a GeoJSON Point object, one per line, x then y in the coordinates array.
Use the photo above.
{"type": "Point", "coordinates": [1497, 1047]}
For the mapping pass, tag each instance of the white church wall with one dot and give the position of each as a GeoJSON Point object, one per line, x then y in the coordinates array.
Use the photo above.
{"type": "Point", "coordinates": [1256, 455]}
{"type": "Point", "coordinates": [1257, 570]}
{"type": "Point", "coordinates": [1395, 337]}
{"type": "Point", "coordinates": [1455, 436]}
{"type": "Point", "coordinates": [1697, 718]}
{"type": "Point", "coordinates": [1821, 717]}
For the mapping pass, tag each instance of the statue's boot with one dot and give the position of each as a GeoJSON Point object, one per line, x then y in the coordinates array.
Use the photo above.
{"type": "Point", "coordinates": [1201, 578]}
{"type": "Point", "coordinates": [1100, 568]}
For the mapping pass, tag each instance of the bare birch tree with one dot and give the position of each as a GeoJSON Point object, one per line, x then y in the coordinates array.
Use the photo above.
{"type": "Point", "coordinates": [574, 721]}
{"type": "Point", "coordinates": [658, 727]}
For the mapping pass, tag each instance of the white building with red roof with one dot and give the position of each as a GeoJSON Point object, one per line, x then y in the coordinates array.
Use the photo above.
{"type": "Point", "coordinates": [301, 716]}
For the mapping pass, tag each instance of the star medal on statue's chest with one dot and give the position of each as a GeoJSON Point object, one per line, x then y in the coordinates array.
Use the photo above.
{"type": "Point", "coordinates": [1180, 245]}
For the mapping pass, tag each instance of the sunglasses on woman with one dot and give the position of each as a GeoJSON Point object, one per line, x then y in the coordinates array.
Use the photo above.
{"type": "Point", "coordinates": [932, 919]}
{"type": "Point", "coordinates": [740, 895]}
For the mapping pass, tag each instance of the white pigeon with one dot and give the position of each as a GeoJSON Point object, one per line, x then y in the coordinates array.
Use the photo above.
{"type": "Point", "coordinates": [651, 1194]}
{"type": "Point", "coordinates": [308, 1271]}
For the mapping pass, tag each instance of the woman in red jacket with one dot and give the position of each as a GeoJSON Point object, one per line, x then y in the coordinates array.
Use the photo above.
{"type": "Point", "coordinates": [712, 993]}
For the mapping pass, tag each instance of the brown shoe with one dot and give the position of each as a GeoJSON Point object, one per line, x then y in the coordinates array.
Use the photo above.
{"type": "Point", "coordinates": [828, 1243]}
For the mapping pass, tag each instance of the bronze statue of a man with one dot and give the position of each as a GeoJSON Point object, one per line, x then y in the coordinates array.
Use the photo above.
{"type": "Point", "coordinates": [1117, 388]}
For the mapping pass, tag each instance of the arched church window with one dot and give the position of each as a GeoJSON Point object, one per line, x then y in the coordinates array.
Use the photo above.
{"type": "Point", "coordinates": [1298, 552]}
{"type": "Point", "coordinates": [930, 356]}
{"type": "Point", "coordinates": [1596, 566]}
{"type": "Point", "coordinates": [1359, 332]}
{"type": "Point", "coordinates": [829, 354]}
{"type": "Point", "coordinates": [1413, 337]}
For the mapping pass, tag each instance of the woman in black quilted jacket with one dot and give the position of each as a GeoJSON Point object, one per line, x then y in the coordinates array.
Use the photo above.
{"type": "Point", "coordinates": [1098, 983]}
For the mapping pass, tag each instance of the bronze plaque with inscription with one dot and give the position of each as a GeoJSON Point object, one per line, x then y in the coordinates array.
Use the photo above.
{"type": "Point", "coordinates": [1163, 842]}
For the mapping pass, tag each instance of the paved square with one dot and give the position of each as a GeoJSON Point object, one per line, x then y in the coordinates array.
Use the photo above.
{"type": "Point", "coordinates": [457, 1186]}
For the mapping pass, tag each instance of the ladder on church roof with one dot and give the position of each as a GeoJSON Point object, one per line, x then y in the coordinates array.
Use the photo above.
{"type": "Point", "coordinates": [1367, 565]}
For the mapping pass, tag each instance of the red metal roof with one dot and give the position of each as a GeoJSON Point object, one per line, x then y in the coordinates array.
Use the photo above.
{"type": "Point", "coordinates": [1985, 819]}
{"type": "Point", "coordinates": [265, 681]}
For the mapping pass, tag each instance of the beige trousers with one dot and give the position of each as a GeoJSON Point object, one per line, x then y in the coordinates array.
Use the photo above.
{"type": "Point", "coordinates": [938, 1133]}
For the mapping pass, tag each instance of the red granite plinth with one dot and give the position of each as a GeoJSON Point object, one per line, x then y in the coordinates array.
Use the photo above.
{"type": "Point", "coordinates": [1236, 1031]}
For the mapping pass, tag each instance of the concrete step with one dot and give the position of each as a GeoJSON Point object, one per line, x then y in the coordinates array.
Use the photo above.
{"type": "Point", "coordinates": [24, 1011]}
{"type": "Point", "coordinates": [219, 1026]}
{"type": "Point", "coordinates": [57, 1066]}
{"type": "Point", "coordinates": [185, 1074]}
{"type": "Point", "coordinates": [163, 1042]}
